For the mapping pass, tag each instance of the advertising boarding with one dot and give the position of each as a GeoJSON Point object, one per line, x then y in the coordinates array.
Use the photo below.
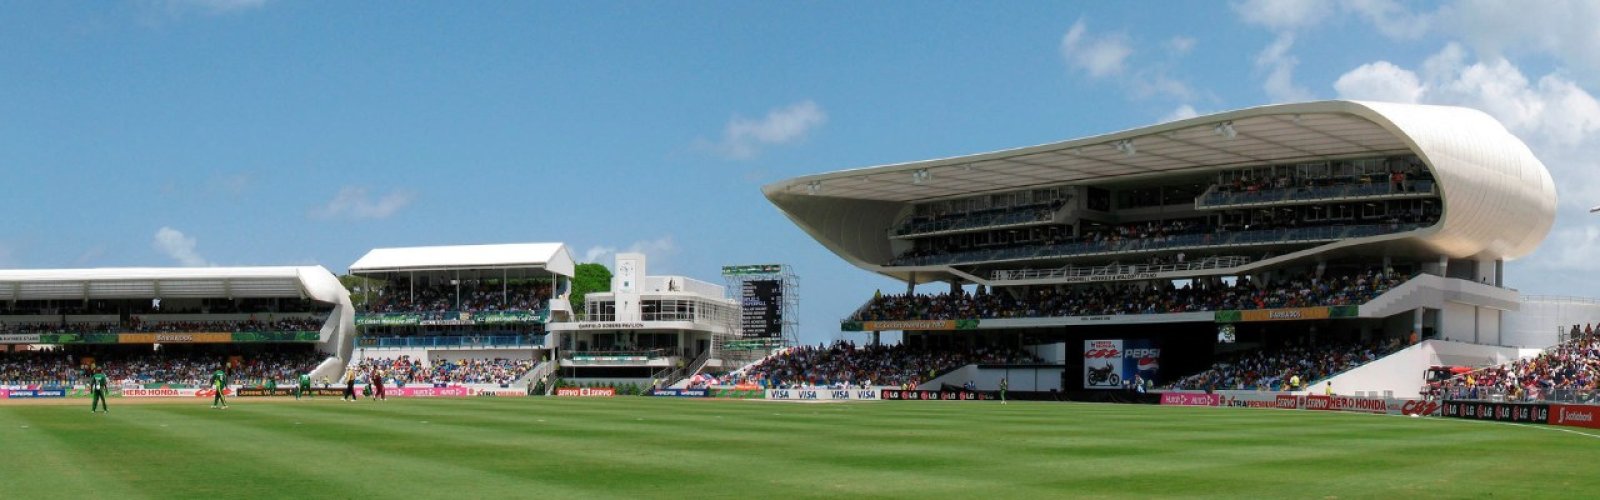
{"type": "Point", "coordinates": [1107, 364]}
{"type": "Point", "coordinates": [823, 394]}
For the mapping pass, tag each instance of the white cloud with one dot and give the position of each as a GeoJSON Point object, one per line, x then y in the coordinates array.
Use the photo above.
{"type": "Point", "coordinates": [179, 247]}
{"type": "Point", "coordinates": [595, 253]}
{"type": "Point", "coordinates": [214, 6]}
{"type": "Point", "coordinates": [1557, 118]}
{"type": "Point", "coordinates": [1157, 83]}
{"type": "Point", "coordinates": [743, 138]}
{"type": "Point", "coordinates": [659, 247]}
{"type": "Point", "coordinates": [234, 183]}
{"type": "Point", "coordinates": [1391, 18]}
{"type": "Point", "coordinates": [1279, 65]}
{"type": "Point", "coordinates": [1284, 15]}
{"type": "Point", "coordinates": [1100, 56]}
{"type": "Point", "coordinates": [1379, 81]}
{"type": "Point", "coordinates": [353, 202]}
{"type": "Point", "coordinates": [1181, 113]}
{"type": "Point", "coordinates": [1109, 56]}
{"type": "Point", "coordinates": [1180, 44]}
{"type": "Point", "coordinates": [1568, 30]}
{"type": "Point", "coordinates": [1570, 249]}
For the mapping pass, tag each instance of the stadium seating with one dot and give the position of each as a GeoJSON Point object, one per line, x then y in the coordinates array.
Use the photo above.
{"type": "Point", "coordinates": [845, 365]}
{"type": "Point", "coordinates": [1099, 300]}
{"type": "Point", "coordinates": [1567, 372]}
{"type": "Point", "coordinates": [474, 297]}
{"type": "Point", "coordinates": [1272, 369]}
{"type": "Point", "coordinates": [61, 369]}
{"type": "Point", "coordinates": [1157, 236]}
{"type": "Point", "coordinates": [404, 370]}
{"type": "Point", "coordinates": [141, 325]}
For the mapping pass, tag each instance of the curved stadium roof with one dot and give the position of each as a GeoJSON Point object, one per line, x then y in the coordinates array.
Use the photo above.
{"type": "Point", "coordinates": [1499, 199]}
{"type": "Point", "coordinates": [170, 282]}
{"type": "Point", "coordinates": [553, 257]}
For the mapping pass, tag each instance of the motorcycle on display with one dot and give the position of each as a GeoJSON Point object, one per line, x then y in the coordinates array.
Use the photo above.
{"type": "Point", "coordinates": [1103, 376]}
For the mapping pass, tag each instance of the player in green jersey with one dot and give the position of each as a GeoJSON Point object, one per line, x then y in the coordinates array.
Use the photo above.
{"type": "Point", "coordinates": [219, 383]}
{"type": "Point", "coordinates": [305, 387]}
{"type": "Point", "coordinates": [97, 389]}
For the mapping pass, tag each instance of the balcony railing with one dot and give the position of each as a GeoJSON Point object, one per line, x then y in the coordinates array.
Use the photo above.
{"type": "Point", "coordinates": [455, 341]}
{"type": "Point", "coordinates": [446, 318]}
{"type": "Point", "coordinates": [1216, 198]}
{"type": "Point", "coordinates": [1177, 242]}
{"type": "Point", "coordinates": [1033, 215]}
{"type": "Point", "coordinates": [1115, 271]}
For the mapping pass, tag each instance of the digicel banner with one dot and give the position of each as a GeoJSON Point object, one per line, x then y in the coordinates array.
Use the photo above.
{"type": "Point", "coordinates": [587, 392]}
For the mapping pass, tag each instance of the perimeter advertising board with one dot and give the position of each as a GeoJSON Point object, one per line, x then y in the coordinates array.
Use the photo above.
{"type": "Point", "coordinates": [1289, 401]}
{"type": "Point", "coordinates": [587, 392]}
{"type": "Point", "coordinates": [823, 394]}
{"type": "Point", "coordinates": [1109, 363]}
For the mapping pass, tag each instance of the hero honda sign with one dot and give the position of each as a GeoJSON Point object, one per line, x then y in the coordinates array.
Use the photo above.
{"type": "Point", "coordinates": [1107, 364]}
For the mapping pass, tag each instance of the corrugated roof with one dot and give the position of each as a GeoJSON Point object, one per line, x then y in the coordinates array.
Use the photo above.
{"type": "Point", "coordinates": [457, 257]}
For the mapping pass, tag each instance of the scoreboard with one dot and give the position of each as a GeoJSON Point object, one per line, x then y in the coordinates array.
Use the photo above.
{"type": "Point", "coordinates": [762, 305]}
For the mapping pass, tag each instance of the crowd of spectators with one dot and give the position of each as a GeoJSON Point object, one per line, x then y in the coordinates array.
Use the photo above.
{"type": "Point", "coordinates": [1147, 235]}
{"type": "Point", "coordinates": [1567, 372]}
{"type": "Point", "coordinates": [474, 297]}
{"type": "Point", "coordinates": [948, 221]}
{"type": "Point", "coordinates": [50, 368]}
{"type": "Point", "coordinates": [405, 370]}
{"type": "Point", "coordinates": [844, 364]}
{"type": "Point", "coordinates": [139, 325]}
{"type": "Point", "coordinates": [135, 324]}
{"type": "Point", "coordinates": [1276, 369]}
{"type": "Point", "coordinates": [1112, 299]}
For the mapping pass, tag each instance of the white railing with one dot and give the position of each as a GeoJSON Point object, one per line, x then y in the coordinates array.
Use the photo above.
{"type": "Point", "coordinates": [1116, 271]}
{"type": "Point", "coordinates": [1560, 298]}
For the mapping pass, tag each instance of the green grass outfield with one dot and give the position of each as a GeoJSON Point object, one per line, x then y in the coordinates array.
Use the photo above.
{"type": "Point", "coordinates": [668, 448]}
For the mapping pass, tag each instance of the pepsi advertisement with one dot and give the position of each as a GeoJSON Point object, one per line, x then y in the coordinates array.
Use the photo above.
{"type": "Point", "coordinates": [1108, 364]}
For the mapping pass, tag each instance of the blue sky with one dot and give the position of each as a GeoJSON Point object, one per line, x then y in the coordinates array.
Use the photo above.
{"type": "Point", "coordinates": [245, 132]}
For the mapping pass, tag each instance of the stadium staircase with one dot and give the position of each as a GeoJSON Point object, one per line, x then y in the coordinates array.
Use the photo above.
{"type": "Point", "coordinates": [1400, 374]}
{"type": "Point", "coordinates": [331, 369]}
{"type": "Point", "coordinates": [1427, 290]}
{"type": "Point", "coordinates": [690, 371]}
{"type": "Point", "coordinates": [533, 376]}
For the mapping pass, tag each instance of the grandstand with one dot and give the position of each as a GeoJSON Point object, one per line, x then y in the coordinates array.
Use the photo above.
{"type": "Point", "coordinates": [172, 326]}
{"type": "Point", "coordinates": [1340, 229]}
{"type": "Point", "coordinates": [461, 314]}
{"type": "Point", "coordinates": [648, 330]}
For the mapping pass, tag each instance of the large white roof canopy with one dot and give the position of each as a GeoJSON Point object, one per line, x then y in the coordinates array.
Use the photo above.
{"type": "Point", "coordinates": [1317, 131]}
{"type": "Point", "coordinates": [169, 283]}
{"type": "Point", "coordinates": [1499, 200]}
{"type": "Point", "coordinates": [551, 257]}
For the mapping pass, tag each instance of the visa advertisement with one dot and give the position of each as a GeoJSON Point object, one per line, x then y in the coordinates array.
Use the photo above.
{"type": "Point", "coordinates": [1107, 364]}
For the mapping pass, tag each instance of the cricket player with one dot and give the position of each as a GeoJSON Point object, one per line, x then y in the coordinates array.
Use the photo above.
{"type": "Point", "coordinates": [97, 389]}
{"type": "Point", "coordinates": [304, 388]}
{"type": "Point", "coordinates": [1004, 383]}
{"type": "Point", "coordinates": [219, 382]}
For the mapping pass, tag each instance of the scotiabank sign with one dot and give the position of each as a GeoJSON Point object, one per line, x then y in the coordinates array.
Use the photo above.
{"type": "Point", "coordinates": [587, 392]}
{"type": "Point", "coordinates": [1575, 416]}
